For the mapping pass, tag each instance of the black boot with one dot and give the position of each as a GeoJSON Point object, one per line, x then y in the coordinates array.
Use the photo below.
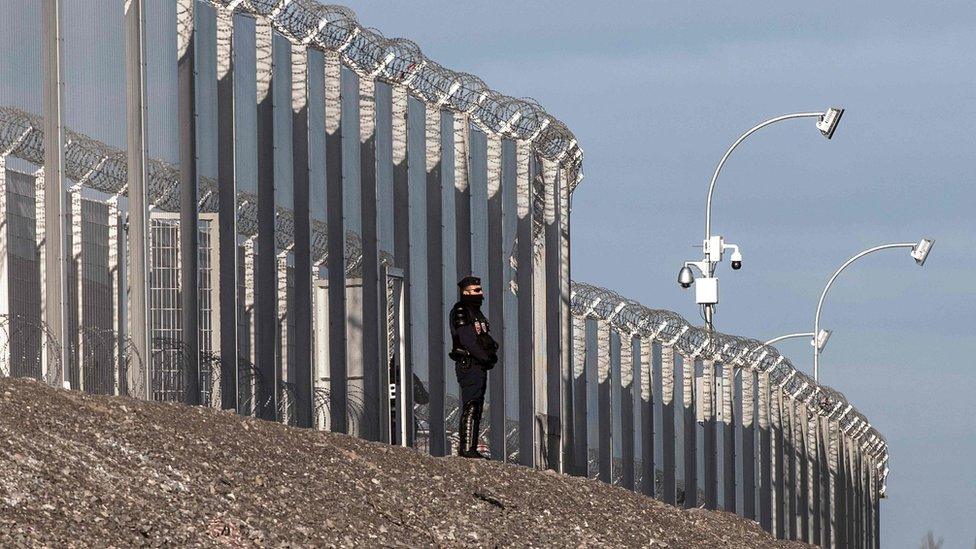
{"type": "Point", "coordinates": [463, 442]}
{"type": "Point", "coordinates": [474, 430]}
{"type": "Point", "coordinates": [468, 431]}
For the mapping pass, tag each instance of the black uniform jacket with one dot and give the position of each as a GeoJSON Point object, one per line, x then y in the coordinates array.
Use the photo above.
{"type": "Point", "coordinates": [471, 335]}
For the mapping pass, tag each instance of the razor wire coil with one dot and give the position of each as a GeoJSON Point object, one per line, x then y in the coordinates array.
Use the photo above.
{"type": "Point", "coordinates": [671, 329]}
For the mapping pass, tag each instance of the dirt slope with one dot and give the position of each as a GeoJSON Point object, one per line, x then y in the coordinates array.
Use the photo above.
{"type": "Point", "coordinates": [98, 471]}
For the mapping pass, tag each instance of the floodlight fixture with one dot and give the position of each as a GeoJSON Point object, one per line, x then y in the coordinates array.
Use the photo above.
{"type": "Point", "coordinates": [921, 250]}
{"type": "Point", "coordinates": [828, 122]}
{"type": "Point", "coordinates": [821, 340]}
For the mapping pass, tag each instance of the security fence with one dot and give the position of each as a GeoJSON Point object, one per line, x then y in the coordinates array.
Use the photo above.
{"type": "Point", "coordinates": [275, 220]}
{"type": "Point", "coordinates": [264, 206]}
{"type": "Point", "coordinates": [669, 397]}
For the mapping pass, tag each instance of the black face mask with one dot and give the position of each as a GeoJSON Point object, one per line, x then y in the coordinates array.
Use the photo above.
{"type": "Point", "coordinates": [474, 300]}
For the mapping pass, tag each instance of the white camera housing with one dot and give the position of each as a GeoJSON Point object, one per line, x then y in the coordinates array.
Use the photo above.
{"type": "Point", "coordinates": [706, 290]}
{"type": "Point", "coordinates": [714, 247]}
{"type": "Point", "coordinates": [736, 259]}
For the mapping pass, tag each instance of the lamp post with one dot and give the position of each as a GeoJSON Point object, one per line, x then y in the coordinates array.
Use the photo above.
{"type": "Point", "coordinates": [919, 252]}
{"type": "Point", "coordinates": [706, 292]}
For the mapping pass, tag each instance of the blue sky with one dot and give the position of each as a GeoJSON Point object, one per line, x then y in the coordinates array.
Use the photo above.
{"type": "Point", "coordinates": [656, 91]}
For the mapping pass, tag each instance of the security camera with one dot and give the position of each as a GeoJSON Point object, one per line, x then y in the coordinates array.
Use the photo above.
{"type": "Point", "coordinates": [685, 277]}
{"type": "Point", "coordinates": [736, 260]}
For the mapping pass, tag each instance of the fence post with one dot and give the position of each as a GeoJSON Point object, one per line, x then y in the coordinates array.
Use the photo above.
{"type": "Point", "coordinates": [748, 444]}
{"type": "Point", "coordinates": [301, 372]}
{"type": "Point", "coordinates": [709, 434]}
{"type": "Point", "coordinates": [859, 493]}
{"type": "Point", "coordinates": [728, 430]}
{"type": "Point", "coordinates": [605, 420]}
{"type": "Point", "coordinates": [372, 285]}
{"type": "Point", "coordinates": [498, 291]}
{"type": "Point", "coordinates": [189, 216]}
{"type": "Point", "coordinates": [436, 308]}
{"type": "Point", "coordinates": [803, 481]}
{"type": "Point", "coordinates": [265, 295]}
{"type": "Point", "coordinates": [669, 459]}
{"type": "Point", "coordinates": [875, 506]}
{"type": "Point", "coordinates": [868, 502]}
{"type": "Point", "coordinates": [116, 250]}
{"type": "Point", "coordinates": [789, 456]}
{"type": "Point", "coordinates": [813, 466]}
{"type": "Point", "coordinates": [836, 490]}
{"type": "Point", "coordinates": [56, 256]}
{"type": "Point", "coordinates": [76, 314]}
{"type": "Point", "coordinates": [765, 456]}
{"type": "Point", "coordinates": [580, 412]}
{"type": "Point", "coordinates": [6, 365]}
{"type": "Point", "coordinates": [401, 226]}
{"type": "Point", "coordinates": [825, 504]}
{"type": "Point", "coordinates": [690, 434]}
{"type": "Point", "coordinates": [565, 327]}
{"type": "Point", "coordinates": [137, 382]}
{"type": "Point", "coordinates": [525, 281]}
{"type": "Point", "coordinates": [337, 239]}
{"type": "Point", "coordinates": [627, 410]}
{"type": "Point", "coordinates": [254, 380]}
{"type": "Point", "coordinates": [779, 507]}
{"type": "Point", "coordinates": [227, 211]}
{"type": "Point", "coordinates": [551, 297]}
{"type": "Point", "coordinates": [39, 235]}
{"type": "Point", "coordinates": [647, 365]}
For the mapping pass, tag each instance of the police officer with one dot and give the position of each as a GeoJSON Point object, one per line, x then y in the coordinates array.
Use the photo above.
{"type": "Point", "coordinates": [474, 353]}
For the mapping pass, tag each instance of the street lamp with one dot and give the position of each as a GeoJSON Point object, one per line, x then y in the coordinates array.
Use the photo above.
{"type": "Point", "coordinates": [820, 341]}
{"type": "Point", "coordinates": [919, 252]}
{"type": "Point", "coordinates": [706, 291]}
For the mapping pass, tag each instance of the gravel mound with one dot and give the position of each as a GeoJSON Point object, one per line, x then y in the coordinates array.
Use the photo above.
{"type": "Point", "coordinates": [80, 470]}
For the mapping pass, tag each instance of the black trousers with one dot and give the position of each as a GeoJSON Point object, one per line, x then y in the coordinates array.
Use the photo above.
{"type": "Point", "coordinates": [473, 379]}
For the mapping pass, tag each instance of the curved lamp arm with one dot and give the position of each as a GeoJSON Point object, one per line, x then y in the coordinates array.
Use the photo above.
{"type": "Point", "coordinates": [754, 129]}
{"type": "Point", "coordinates": [789, 336]}
{"type": "Point", "coordinates": [816, 320]}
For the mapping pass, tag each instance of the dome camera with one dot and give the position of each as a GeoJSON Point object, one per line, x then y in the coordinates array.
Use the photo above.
{"type": "Point", "coordinates": [736, 260]}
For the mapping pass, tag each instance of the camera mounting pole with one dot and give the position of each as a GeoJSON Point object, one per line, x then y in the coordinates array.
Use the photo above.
{"type": "Point", "coordinates": [714, 245]}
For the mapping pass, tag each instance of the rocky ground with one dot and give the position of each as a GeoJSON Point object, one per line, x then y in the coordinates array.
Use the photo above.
{"type": "Point", "coordinates": [79, 470]}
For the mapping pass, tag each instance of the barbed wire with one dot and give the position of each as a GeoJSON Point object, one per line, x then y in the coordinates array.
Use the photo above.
{"type": "Point", "coordinates": [101, 167]}
{"type": "Point", "coordinates": [669, 328]}
{"type": "Point", "coordinates": [27, 346]}
{"type": "Point", "coordinates": [400, 61]}
{"type": "Point", "coordinates": [355, 406]}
